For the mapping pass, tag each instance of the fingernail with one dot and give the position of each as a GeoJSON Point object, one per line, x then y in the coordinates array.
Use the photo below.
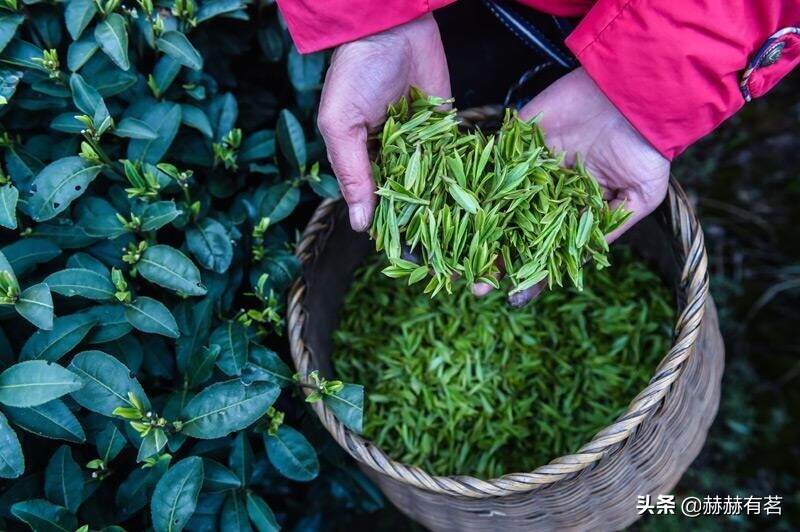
{"type": "Point", "coordinates": [358, 218]}
{"type": "Point", "coordinates": [519, 299]}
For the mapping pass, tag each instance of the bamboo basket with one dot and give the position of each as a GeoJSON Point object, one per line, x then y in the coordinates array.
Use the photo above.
{"type": "Point", "coordinates": [645, 451]}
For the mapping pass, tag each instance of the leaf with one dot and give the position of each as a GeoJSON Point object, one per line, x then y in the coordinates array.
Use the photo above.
{"type": "Point", "coordinates": [87, 99]}
{"type": "Point", "coordinates": [63, 480]}
{"type": "Point", "coordinates": [257, 146]}
{"type": "Point", "coordinates": [209, 242]}
{"type": "Point", "coordinates": [35, 304]}
{"type": "Point", "coordinates": [348, 406]}
{"type": "Point", "coordinates": [49, 420]}
{"type": "Point", "coordinates": [151, 316]}
{"type": "Point", "coordinates": [112, 36]}
{"type": "Point", "coordinates": [234, 514]}
{"type": "Point", "coordinates": [584, 228]}
{"type": "Point", "coordinates": [177, 46]}
{"type": "Point", "coordinates": [218, 478]}
{"type": "Point", "coordinates": [214, 8]}
{"type": "Point", "coordinates": [44, 516]}
{"type": "Point", "coordinates": [99, 218]}
{"type": "Point", "coordinates": [81, 282]}
{"type": "Point", "coordinates": [9, 81]}
{"type": "Point", "coordinates": [196, 118]}
{"type": "Point", "coordinates": [7, 266]}
{"type": "Point", "coordinates": [260, 513]}
{"type": "Point", "coordinates": [23, 255]}
{"type": "Point", "coordinates": [109, 441]}
{"type": "Point", "coordinates": [158, 214]}
{"type": "Point", "coordinates": [231, 336]}
{"type": "Point", "coordinates": [278, 201]}
{"type": "Point", "coordinates": [305, 71]}
{"type": "Point", "coordinates": [163, 118]}
{"type": "Point", "coordinates": [292, 455]}
{"type": "Point", "coordinates": [67, 123]}
{"type": "Point", "coordinates": [164, 73]}
{"type": "Point", "coordinates": [168, 267]}
{"type": "Point", "coordinates": [106, 383]}
{"type": "Point", "coordinates": [464, 198]}
{"type": "Point", "coordinates": [12, 462]}
{"type": "Point", "coordinates": [175, 496]}
{"type": "Point", "coordinates": [266, 366]}
{"type": "Point", "coordinates": [35, 382]}
{"type": "Point", "coordinates": [281, 268]}
{"type": "Point", "coordinates": [200, 365]}
{"type": "Point", "coordinates": [9, 195]}
{"type": "Point", "coordinates": [58, 184]}
{"type": "Point", "coordinates": [326, 187]}
{"type": "Point", "coordinates": [135, 129]}
{"type": "Point", "coordinates": [135, 491]}
{"type": "Point", "coordinates": [227, 407]}
{"type": "Point", "coordinates": [81, 51]}
{"type": "Point", "coordinates": [241, 458]}
{"type": "Point", "coordinates": [8, 27]}
{"type": "Point", "coordinates": [66, 334]}
{"type": "Point", "coordinates": [291, 139]}
{"type": "Point", "coordinates": [110, 325]}
{"type": "Point", "coordinates": [77, 15]}
{"type": "Point", "coordinates": [151, 444]}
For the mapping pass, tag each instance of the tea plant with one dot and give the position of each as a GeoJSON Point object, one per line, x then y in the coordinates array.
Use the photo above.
{"type": "Point", "coordinates": [465, 201]}
{"type": "Point", "coordinates": [471, 386]}
{"type": "Point", "coordinates": [143, 263]}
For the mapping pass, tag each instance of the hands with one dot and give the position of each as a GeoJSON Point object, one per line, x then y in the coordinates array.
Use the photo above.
{"type": "Point", "coordinates": [578, 118]}
{"type": "Point", "coordinates": [366, 76]}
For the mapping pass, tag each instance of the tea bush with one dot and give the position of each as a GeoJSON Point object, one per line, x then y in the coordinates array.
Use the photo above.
{"type": "Point", "coordinates": [149, 154]}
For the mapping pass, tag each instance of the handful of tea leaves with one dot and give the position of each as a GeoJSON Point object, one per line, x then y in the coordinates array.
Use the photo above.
{"type": "Point", "coordinates": [466, 385]}
{"type": "Point", "coordinates": [464, 200]}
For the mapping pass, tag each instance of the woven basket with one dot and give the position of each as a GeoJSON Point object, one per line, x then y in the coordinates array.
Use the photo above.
{"type": "Point", "coordinates": [645, 451]}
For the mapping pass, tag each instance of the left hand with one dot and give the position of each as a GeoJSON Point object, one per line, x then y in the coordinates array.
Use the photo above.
{"type": "Point", "coordinates": [578, 118]}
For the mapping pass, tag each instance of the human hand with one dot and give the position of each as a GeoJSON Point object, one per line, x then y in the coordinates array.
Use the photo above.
{"type": "Point", "coordinates": [578, 118]}
{"type": "Point", "coordinates": [364, 77]}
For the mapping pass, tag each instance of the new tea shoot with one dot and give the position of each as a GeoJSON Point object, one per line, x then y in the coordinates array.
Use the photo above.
{"type": "Point", "coordinates": [470, 386]}
{"type": "Point", "coordinates": [464, 201]}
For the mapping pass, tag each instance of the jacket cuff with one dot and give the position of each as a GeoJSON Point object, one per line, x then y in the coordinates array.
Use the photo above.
{"type": "Point", "coordinates": [319, 24]}
{"type": "Point", "coordinates": [674, 83]}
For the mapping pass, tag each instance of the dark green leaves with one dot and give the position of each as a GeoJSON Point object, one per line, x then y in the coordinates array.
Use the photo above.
{"type": "Point", "coordinates": [265, 365]}
{"type": "Point", "coordinates": [168, 267]}
{"type": "Point", "coordinates": [112, 36]}
{"type": "Point", "coordinates": [81, 282]}
{"type": "Point", "coordinates": [232, 339]}
{"type": "Point", "coordinates": [218, 478]}
{"type": "Point", "coordinates": [210, 244]}
{"type": "Point", "coordinates": [226, 407]}
{"type": "Point", "coordinates": [12, 462]}
{"type": "Point", "coordinates": [292, 455]}
{"type": "Point", "coordinates": [66, 334]}
{"type": "Point", "coordinates": [35, 304]}
{"type": "Point", "coordinates": [63, 481]}
{"type": "Point", "coordinates": [278, 201]}
{"type": "Point", "coordinates": [78, 15]}
{"type": "Point", "coordinates": [8, 206]}
{"type": "Point", "coordinates": [151, 316]}
{"type": "Point", "coordinates": [348, 406]}
{"type": "Point", "coordinates": [49, 420]}
{"type": "Point", "coordinates": [58, 184]}
{"type": "Point", "coordinates": [175, 496]}
{"type": "Point", "coordinates": [291, 139]}
{"type": "Point", "coordinates": [44, 516]}
{"type": "Point", "coordinates": [260, 513]}
{"type": "Point", "coordinates": [135, 129]}
{"type": "Point", "coordinates": [8, 27]}
{"type": "Point", "coordinates": [163, 118]}
{"type": "Point", "coordinates": [35, 382]}
{"type": "Point", "coordinates": [106, 383]}
{"type": "Point", "coordinates": [176, 45]}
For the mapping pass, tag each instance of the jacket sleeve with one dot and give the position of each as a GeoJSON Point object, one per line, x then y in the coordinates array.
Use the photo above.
{"type": "Point", "coordinates": [319, 24]}
{"type": "Point", "coordinates": [678, 68]}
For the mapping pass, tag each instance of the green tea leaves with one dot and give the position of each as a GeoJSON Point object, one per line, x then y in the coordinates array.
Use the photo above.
{"type": "Point", "coordinates": [36, 382]}
{"type": "Point", "coordinates": [226, 407]}
{"type": "Point", "coordinates": [8, 206]}
{"type": "Point", "coordinates": [12, 462]}
{"type": "Point", "coordinates": [112, 36]}
{"type": "Point", "coordinates": [168, 267]}
{"type": "Point", "coordinates": [177, 46]}
{"type": "Point", "coordinates": [292, 455]}
{"type": "Point", "coordinates": [58, 184]}
{"type": "Point", "coordinates": [63, 481]}
{"type": "Point", "coordinates": [35, 304]}
{"type": "Point", "coordinates": [106, 381]}
{"type": "Point", "coordinates": [348, 406]}
{"type": "Point", "coordinates": [175, 496]}
{"type": "Point", "coordinates": [81, 282]}
{"type": "Point", "coordinates": [151, 316]}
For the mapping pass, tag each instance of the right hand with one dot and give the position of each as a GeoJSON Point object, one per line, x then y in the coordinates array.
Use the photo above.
{"type": "Point", "coordinates": [364, 77]}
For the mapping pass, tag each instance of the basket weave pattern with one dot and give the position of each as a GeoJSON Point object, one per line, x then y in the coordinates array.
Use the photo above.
{"type": "Point", "coordinates": [645, 450]}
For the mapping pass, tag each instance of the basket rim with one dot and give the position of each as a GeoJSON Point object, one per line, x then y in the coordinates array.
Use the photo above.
{"type": "Point", "coordinates": [693, 286]}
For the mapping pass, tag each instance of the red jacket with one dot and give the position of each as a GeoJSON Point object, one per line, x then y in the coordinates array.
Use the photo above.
{"type": "Point", "coordinates": [675, 68]}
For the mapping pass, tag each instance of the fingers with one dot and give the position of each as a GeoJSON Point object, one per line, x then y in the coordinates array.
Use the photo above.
{"type": "Point", "coordinates": [346, 142]}
{"type": "Point", "coordinates": [522, 298]}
